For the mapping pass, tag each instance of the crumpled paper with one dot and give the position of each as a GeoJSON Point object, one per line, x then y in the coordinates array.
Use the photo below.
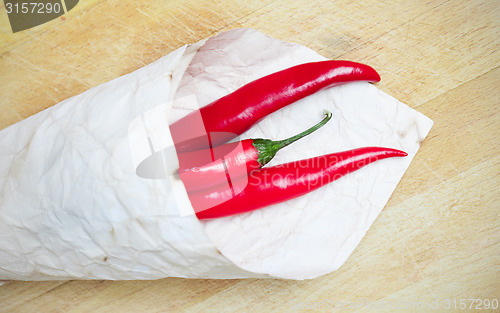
{"type": "Point", "coordinates": [76, 201]}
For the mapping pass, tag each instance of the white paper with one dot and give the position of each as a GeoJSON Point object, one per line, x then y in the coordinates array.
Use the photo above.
{"type": "Point", "coordinates": [72, 205]}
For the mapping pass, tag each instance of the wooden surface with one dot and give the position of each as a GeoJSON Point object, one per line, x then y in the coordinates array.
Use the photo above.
{"type": "Point", "coordinates": [437, 240]}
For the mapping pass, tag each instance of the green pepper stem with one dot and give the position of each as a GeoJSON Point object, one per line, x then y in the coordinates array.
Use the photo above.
{"type": "Point", "coordinates": [267, 149]}
{"type": "Point", "coordinates": [285, 142]}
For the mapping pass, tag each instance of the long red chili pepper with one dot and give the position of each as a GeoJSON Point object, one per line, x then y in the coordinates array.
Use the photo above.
{"type": "Point", "coordinates": [231, 115]}
{"type": "Point", "coordinates": [208, 167]}
{"type": "Point", "coordinates": [276, 184]}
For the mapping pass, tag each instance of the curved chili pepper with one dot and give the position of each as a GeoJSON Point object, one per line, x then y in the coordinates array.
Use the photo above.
{"type": "Point", "coordinates": [208, 167]}
{"type": "Point", "coordinates": [280, 183]}
{"type": "Point", "coordinates": [233, 114]}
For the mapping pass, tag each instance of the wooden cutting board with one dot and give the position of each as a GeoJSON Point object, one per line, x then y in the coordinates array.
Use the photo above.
{"type": "Point", "coordinates": [436, 245]}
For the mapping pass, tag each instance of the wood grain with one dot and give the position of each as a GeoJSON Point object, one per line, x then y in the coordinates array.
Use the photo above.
{"type": "Point", "coordinates": [439, 236]}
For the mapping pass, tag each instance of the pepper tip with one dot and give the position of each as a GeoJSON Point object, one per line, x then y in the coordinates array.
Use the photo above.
{"type": "Point", "coordinates": [402, 153]}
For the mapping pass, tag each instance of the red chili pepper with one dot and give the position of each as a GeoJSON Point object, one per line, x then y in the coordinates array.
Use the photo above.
{"type": "Point", "coordinates": [208, 167]}
{"type": "Point", "coordinates": [233, 114]}
{"type": "Point", "coordinates": [276, 184]}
